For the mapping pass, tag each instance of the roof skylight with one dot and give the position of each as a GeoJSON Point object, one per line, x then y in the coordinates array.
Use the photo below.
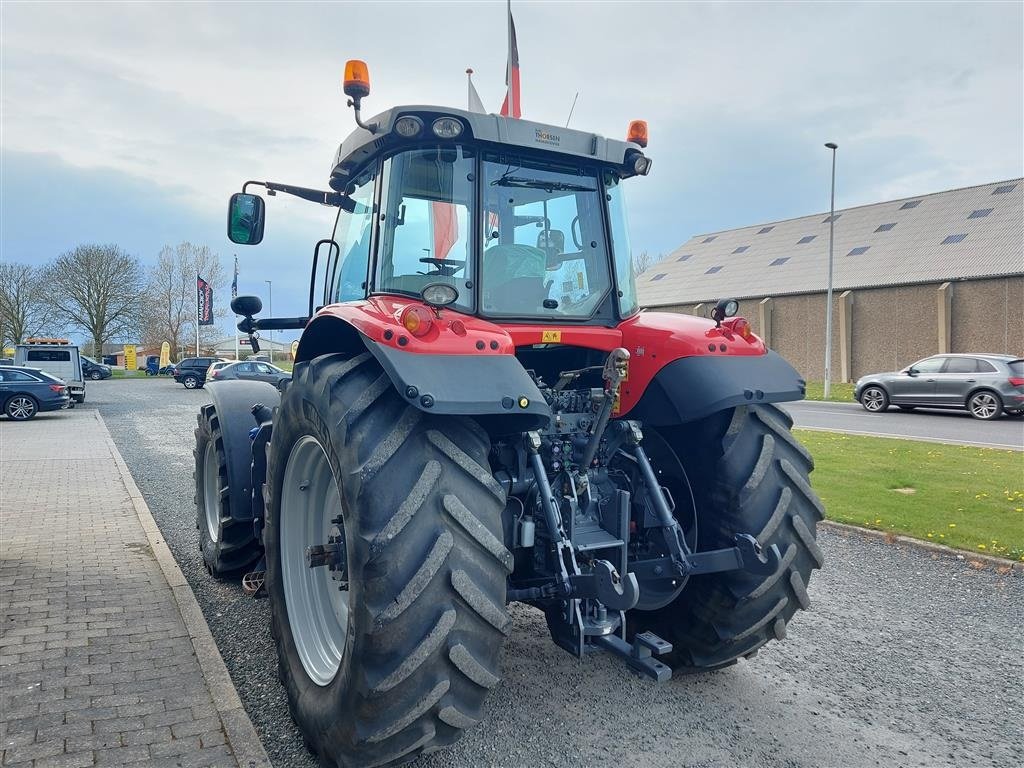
{"type": "Point", "coordinates": [712, 270]}
{"type": "Point", "coordinates": [685, 257]}
{"type": "Point", "coordinates": [910, 204]}
{"type": "Point", "coordinates": [658, 276]}
{"type": "Point", "coordinates": [709, 239]}
{"type": "Point", "coordinates": [805, 239]}
{"type": "Point", "coordinates": [885, 227]}
{"type": "Point", "coordinates": [981, 213]}
{"type": "Point", "coordinates": [779, 261]}
{"type": "Point", "coordinates": [953, 239]}
{"type": "Point", "coordinates": [859, 250]}
{"type": "Point", "coordinates": [764, 230]}
{"type": "Point", "coordinates": [741, 249]}
{"type": "Point", "coordinates": [1004, 189]}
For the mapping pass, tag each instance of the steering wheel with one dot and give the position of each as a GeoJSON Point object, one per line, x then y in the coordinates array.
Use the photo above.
{"type": "Point", "coordinates": [445, 267]}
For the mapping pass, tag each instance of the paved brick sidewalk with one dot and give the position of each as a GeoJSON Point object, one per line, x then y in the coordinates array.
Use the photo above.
{"type": "Point", "coordinates": [97, 664]}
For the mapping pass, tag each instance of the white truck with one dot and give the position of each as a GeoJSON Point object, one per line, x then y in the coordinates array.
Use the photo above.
{"type": "Point", "coordinates": [58, 357]}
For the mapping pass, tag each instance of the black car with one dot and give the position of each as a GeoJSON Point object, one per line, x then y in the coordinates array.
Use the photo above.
{"type": "Point", "coordinates": [24, 392]}
{"type": "Point", "coordinates": [191, 372]}
{"type": "Point", "coordinates": [93, 370]}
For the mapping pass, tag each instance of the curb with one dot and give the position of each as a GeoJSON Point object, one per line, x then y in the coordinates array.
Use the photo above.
{"type": "Point", "coordinates": [988, 561]}
{"type": "Point", "coordinates": [238, 728]}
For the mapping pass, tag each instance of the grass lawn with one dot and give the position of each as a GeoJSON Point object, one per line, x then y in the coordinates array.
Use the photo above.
{"type": "Point", "coordinates": [962, 496]}
{"type": "Point", "coordinates": [841, 393]}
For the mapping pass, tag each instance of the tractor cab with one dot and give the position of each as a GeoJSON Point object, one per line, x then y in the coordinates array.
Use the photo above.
{"type": "Point", "coordinates": [501, 218]}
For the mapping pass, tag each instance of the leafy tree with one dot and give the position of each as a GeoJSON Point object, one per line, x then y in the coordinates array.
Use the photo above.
{"type": "Point", "coordinates": [170, 311]}
{"type": "Point", "coordinates": [26, 304]}
{"type": "Point", "coordinates": [98, 290]}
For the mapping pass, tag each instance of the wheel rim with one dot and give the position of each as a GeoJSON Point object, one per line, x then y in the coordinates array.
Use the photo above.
{"type": "Point", "coordinates": [21, 408]}
{"type": "Point", "coordinates": [211, 490]}
{"type": "Point", "coordinates": [316, 598]}
{"type": "Point", "coordinates": [983, 405]}
{"type": "Point", "coordinates": [95, 376]}
{"type": "Point", "coordinates": [873, 399]}
{"type": "Point", "coordinates": [190, 383]}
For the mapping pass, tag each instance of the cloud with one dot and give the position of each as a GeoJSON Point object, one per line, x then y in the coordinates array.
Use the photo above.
{"type": "Point", "coordinates": [194, 99]}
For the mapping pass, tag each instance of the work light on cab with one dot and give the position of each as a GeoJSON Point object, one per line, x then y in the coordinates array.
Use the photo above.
{"type": "Point", "coordinates": [446, 128]}
{"type": "Point", "coordinates": [439, 294]}
{"type": "Point", "coordinates": [417, 320]}
{"type": "Point", "coordinates": [408, 127]}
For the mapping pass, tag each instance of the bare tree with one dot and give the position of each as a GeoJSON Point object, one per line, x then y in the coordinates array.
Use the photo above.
{"type": "Point", "coordinates": [643, 261]}
{"type": "Point", "coordinates": [98, 289]}
{"type": "Point", "coordinates": [26, 306]}
{"type": "Point", "coordinates": [171, 296]}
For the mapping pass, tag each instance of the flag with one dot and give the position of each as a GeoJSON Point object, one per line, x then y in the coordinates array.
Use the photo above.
{"type": "Point", "coordinates": [446, 228]}
{"type": "Point", "coordinates": [475, 102]}
{"type": "Point", "coordinates": [234, 282]}
{"type": "Point", "coordinates": [512, 73]}
{"type": "Point", "coordinates": [204, 302]}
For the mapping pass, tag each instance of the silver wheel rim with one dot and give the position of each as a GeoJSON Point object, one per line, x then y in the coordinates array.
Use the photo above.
{"type": "Point", "coordinates": [21, 408]}
{"type": "Point", "coordinates": [983, 406]}
{"type": "Point", "coordinates": [873, 399]}
{"type": "Point", "coordinates": [190, 383]}
{"type": "Point", "coordinates": [211, 490]}
{"type": "Point", "coordinates": [316, 598]}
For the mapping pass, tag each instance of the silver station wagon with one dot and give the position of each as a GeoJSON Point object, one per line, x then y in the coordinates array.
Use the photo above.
{"type": "Point", "coordinates": [987, 386]}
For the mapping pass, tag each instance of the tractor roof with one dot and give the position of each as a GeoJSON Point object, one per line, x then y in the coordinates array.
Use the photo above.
{"type": "Point", "coordinates": [361, 145]}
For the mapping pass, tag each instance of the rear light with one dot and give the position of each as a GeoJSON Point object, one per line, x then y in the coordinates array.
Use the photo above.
{"type": "Point", "coordinates": [417, 320]}
{"type": "Point", "coordinates": [740, 327]}
{"type": "Point", "coordinates": [214, 374]}
{"type": "Point", "coordinates": [57, 387]}
{"type": "Point", "coordinates": [1016, 381]}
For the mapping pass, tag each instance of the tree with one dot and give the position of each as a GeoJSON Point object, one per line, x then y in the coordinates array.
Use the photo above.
{"type": "Point", "coordinates": [26, 306]}
{"type": "Point", "coordinates": [98, 289]}
{"type": "Point", "coordinates": [644, 261]}
{"type": "Point", "coordinates": [170, 311]}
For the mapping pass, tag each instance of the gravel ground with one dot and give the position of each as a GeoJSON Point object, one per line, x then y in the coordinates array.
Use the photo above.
{"type": "Point", "coordinates": [906, 658]}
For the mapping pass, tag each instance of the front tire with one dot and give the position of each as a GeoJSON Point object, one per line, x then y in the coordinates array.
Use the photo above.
{"type": "Point", "coordinates": [985, 405]}
{"type": "Point", "coordinates": [228, 545]}
{"type": "Point", "coordinates": [95, 375]}
{"type": "Point", "coordinates": [190, 382]}
{"type": "Point", "coordinates": [403, 664]}
{"type": "Point", "coordinates": [874, 399]}
{"type": "Point", "coordinates": [749, 475]}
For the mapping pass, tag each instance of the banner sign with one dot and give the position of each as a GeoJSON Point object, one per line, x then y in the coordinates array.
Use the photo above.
{"type": "Point", "coordinates": [204, 301]}
{"type": "Point", "coordinates": [129, 357]}
{"type": "Point", "coordinates": [165, 355]}
{"type": "Point", "coordinates": [295, 348]}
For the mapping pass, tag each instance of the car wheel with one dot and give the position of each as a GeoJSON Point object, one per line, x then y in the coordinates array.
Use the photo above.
{"type": "Point", "coordinates": [985, 405]}
{"type": "Point", "coordinates": [874, 399]}
{"type": "Point", "coordinates": [95, 375]}
{"type": "Point", "coordinates": [21, 408]}
{"type": "Point", "coordinates": [190, 382]}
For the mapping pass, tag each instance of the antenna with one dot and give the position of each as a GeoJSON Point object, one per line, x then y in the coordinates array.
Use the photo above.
{"type": "Point", "coordinates": [572, 109]}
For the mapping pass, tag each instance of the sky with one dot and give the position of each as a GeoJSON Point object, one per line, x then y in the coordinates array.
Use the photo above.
{"type": "Point", "coordinates": [133, 123]}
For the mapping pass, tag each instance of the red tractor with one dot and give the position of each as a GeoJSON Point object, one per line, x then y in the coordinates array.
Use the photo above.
{"type": "Point", "coordinates": [480, 413]}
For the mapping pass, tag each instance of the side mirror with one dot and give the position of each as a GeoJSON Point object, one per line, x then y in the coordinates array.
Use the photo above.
{"type": "Point", "coordinates": [911, 371]}
{"type": "Point", "coordinates": [246, 215]}
{"type": "Point", "coordinates": [246, 306]}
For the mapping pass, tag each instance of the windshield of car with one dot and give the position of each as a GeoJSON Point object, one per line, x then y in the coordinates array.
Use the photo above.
{"type": "Point", "coordinates": [426, 237]}
{"type": "Point", "coordinates": [545, 253]}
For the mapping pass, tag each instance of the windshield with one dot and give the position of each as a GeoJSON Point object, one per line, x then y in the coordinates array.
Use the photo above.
{"type": "Point", "coordinates": [625, 278]}
{"type": "Point", "coordinates": [544, 253]}
{"type": "Point", "coordinates": [426, 234]}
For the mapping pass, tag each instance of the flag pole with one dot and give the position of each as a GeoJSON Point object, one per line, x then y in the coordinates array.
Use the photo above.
{"type": "Point", "coordinates": [197, 314]}
{"type": "Point", "coordinates": [511, 90]}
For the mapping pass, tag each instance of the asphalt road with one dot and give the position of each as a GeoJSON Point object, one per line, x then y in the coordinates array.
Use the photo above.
{"type": "Point", "coordinates": [943, 426]}
{"type": "Point", "coordinates": [907, 658]}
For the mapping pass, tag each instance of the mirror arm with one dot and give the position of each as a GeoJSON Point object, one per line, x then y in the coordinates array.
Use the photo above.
{"type": "Point", "coordinates": [250, 324]}
{"type": "Point", "coordinates": [336, 199]}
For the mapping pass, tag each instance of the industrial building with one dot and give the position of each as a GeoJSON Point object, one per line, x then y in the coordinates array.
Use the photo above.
{"type": "Point", "coordinates": [941, 272]}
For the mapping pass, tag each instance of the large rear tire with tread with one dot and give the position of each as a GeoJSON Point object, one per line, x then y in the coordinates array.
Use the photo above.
{"type": "Point", "coordinates": [749, 475]}
{"type": "Point", "coordinates": [426, 566]}
{"type": "Point", "coordinates": [228, 545]}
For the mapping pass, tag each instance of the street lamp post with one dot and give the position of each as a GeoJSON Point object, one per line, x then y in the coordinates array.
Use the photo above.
{"type": "Point", "coordinates": [828, 295]}
{"type": "Point", "coordinates": [270, 308]}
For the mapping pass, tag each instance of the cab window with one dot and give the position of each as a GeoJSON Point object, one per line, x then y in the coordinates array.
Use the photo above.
{"type": "Point", "coordinates": [425, 236]}
{"type": "Point", "coordinates": [352, 234]}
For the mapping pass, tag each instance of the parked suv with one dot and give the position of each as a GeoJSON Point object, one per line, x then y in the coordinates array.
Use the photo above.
{"type": "Point", "coordinates": [94, 370]}
{"type": "Point", "coordinates": [192, 371]}
{"type": "Point", "coordinates": [986, 385]}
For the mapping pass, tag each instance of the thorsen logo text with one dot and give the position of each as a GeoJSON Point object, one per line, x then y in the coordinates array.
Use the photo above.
{"type": "Point", "coordinates": [547, 138]}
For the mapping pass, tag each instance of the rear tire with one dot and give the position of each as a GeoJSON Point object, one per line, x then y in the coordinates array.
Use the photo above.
{"type": "Point", "coordinates": [21, 408]}
{"type": "Point", "coordinates": [749, 475]}
{"type": "Point", "coordinates": [228, 545]}
{"type": "Point", "coordinates": [190, 382]}
{"type": "Point", "coordinates": [985, 405]}
{"type": "Point", "coordinates": [426, 568]}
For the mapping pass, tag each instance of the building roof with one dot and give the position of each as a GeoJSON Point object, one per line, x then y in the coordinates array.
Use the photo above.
{"type": "Point", "coordinates": [966, 233]}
